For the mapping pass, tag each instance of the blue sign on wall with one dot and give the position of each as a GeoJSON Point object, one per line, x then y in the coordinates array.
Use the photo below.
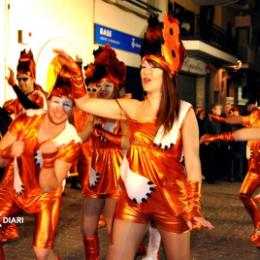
{"type": "Point", "coordinates": [117, 39]}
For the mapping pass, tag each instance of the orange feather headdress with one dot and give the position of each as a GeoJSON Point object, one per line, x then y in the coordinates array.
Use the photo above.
{"type": "Point", "coordinates": [106, 64]}
{"type": "Point", "coordinates": [26, 63]}
{"type": "Point", "coordinates": [162, 43]}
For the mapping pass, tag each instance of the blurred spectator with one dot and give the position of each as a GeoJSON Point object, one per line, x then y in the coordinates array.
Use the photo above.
{"type": "Point", "coordinates": [212, 150]}
{"type": "Point", "coordinates": [238, 151]}
{"type": "Point", "coordinates": [201, 117]}
{"type": "Point", "coordinates": [250, 107]}
{"type": "Point", "coordinates": [226, 153]}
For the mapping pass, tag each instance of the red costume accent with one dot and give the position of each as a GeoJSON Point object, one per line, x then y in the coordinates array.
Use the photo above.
{"type": "Point", "coordinates": [226, 136]}
{"type": "Point", "coordinates": [91, 245]}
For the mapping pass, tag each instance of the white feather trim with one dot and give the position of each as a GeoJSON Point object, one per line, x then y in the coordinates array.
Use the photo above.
{"type": "Point", "coordinates": [67, 135]}
{"type": "Point", "coordinates": [169, 139]}
{"type": "Point", "coordinates": [34, 112]}
{"type": "Point", "coordinates": [138, 187]}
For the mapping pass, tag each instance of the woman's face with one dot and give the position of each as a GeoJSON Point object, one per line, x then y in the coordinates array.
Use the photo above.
{"type": "Point", "coordinates": [106, 89]}
{"type": "Point", "coordinates": [92, 90]}
{"type": "Point", "coordinates": [25, 83]}
{"type": "Point", "coordinates": [151, 76]}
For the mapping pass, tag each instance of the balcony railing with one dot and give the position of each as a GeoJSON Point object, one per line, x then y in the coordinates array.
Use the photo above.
{"type": "Point", "coordinates": [209, 33]}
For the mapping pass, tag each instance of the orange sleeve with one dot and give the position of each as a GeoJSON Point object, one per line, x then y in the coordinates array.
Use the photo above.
{"type": "Point", "coordinates": [17, 124]}
{"type": "Point", "coordinates": [79, 118]}
{"type": "Point", "coordinates": [69, 152]}
{"type": "Point", "coordinates": [12, 106]}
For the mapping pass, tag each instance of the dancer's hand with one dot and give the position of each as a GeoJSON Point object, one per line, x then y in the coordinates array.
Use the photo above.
{"type": "Point", "coordinates": [199, 222]}
{"type": "Point", "coordinates": [11, 79]}
{"type": "Point", "coordinates": [67, 61]}
{"type": "Point", "coordinates": [204, 139]}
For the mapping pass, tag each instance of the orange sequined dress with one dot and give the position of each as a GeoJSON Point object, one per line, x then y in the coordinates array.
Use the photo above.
{"type": "Point", "coordinates": [106, 157]}
{"type": "Point", "coordinates": [153, 176]}
{"type": "Point", "coordinates": [20, 188]}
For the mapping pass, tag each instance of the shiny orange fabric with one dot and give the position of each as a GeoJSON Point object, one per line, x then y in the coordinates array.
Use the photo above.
{"type": "Point", "coordinates": [91, 244]}
{"type": "Point", "coordinates": [14, 106]}
{"type": "Point", "coordinates": [32, 200]}
{"type": "Point", "coordinates": [163, 167]}
{"type": "Point", "coordinates": [106, 158]}
{"type": "Point", "coordinates": [46, 221]}
{"type": "Point", "coordinates": [252, 179]}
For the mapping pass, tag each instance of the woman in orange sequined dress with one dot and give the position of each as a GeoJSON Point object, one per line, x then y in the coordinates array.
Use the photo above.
{"type": "Point", "coordinates": [102, 151]}
{"type": "Point", "coordinates": [162, 129]}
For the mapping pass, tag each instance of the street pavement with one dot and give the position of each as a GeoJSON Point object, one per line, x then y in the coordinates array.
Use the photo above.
{"type": "Point", "coordinates": [221, 205]}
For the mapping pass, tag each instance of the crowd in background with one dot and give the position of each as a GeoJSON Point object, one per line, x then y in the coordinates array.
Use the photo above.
{"type": "Point", "coordinates": [222, 160]}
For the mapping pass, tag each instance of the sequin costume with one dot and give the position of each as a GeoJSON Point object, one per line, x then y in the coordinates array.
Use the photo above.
{"type": "Point", "coordinates": [22, 191]}
{"type": "Point", "coordinates": [105, 161]}
{"type": "Point", "coordinates": [252, 179]}
{"type": "Point", "coordinates": [153, 176]}
{"type": "Point", "coordinates": [38, 97]}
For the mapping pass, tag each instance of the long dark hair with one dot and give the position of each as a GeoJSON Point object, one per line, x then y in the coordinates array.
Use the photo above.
{"type": "Point", "coordinates": [170, 103]}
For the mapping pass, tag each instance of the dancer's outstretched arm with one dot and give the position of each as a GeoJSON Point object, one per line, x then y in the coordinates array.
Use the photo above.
{"type": "Point", "coordinates": [245, 134]}
{"type": "Point", "coordinates": [109, 108]}
{"type": "Point", "coordinates": [114, 109]}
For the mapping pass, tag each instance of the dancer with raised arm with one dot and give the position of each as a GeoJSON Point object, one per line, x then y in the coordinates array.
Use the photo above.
{"type": "Point", "coordinates": [155, 184]}
{"type": "Point", "coordinates": [102, 151]}
{"type": "Point", "coordinates": [37, 152]}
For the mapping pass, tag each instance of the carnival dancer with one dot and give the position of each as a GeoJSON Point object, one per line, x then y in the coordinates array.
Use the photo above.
{"type": "Point", "coordinates": [37, 152]}
{"type": "Point", "coordinates": [29, 95]}
{"type": "Point", "coordinates": [102, 151]}
{"type": "Point", "coordinates": [155, 185]}
{"type": "Point", "coordinates": [252, 179]}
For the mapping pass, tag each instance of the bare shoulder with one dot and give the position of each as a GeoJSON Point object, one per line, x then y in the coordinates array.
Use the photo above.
{"type": "Point", "coordinates": [190, 121]}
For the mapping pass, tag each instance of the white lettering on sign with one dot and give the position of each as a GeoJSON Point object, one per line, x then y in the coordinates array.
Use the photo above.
{"type": "Point", "coordinates": [105, 32]}
{"type": "Point", "coordinates": [194, 66]}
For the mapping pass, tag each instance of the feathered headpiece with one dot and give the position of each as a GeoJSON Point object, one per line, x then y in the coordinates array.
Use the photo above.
{"type": "Point", "coordinates": [58, 79]}
{"type": "Point", "coordinates": [26, 63]}
{"type": "Point", "coordinates": [106, 64]}
{"type": "Point", "coordinates": [162, 43]}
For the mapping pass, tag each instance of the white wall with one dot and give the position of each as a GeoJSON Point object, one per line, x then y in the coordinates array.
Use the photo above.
{"type": "Point", "coordinates": [114, 17]}
{"type": "Point", "coordinates": [66, 24]}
